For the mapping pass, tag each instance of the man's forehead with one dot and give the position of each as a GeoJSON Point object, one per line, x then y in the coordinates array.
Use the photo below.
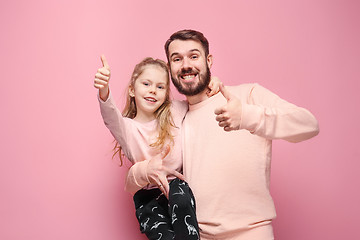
{"type": "Point", "coordinates": [184, 46]}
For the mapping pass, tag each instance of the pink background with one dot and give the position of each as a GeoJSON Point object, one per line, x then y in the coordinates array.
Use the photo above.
{"type": "Point", "coordinates": [57, 179]}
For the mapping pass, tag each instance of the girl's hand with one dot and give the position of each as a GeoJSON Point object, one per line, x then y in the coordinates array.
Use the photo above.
{"type": "Point", "coordinates": [102, 78]}
{"type": "Point", "coordinates": [214, 86]}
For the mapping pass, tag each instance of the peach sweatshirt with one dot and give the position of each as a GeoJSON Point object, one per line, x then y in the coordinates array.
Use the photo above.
{"type": "Point", "coordinates": [135, 138]}
{"type": "Point", "coordinates": [229, 172]}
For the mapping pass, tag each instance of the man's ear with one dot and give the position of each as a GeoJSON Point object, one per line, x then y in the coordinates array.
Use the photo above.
{"type": "Point", "coordinates": [209, 60]}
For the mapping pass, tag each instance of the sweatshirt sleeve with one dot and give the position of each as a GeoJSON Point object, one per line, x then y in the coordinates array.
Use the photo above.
{"type": "Point", "coordinates": [136, 178]}
{"type": "Point", "coordinates": [115, 122]}
{"type": "Point", "coordinates": [267, 115]}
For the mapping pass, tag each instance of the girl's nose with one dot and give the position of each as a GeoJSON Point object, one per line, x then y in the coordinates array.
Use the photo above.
{"type": "Point", "coordinates": [153, 89]}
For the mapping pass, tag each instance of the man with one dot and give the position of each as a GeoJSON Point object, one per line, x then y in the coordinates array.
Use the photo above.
{"type": "Point", "coordinates": [227, 142]}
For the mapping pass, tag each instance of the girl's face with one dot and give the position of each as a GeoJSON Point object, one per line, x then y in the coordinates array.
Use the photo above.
{"type": "Point", "coordinates": [150, 91]}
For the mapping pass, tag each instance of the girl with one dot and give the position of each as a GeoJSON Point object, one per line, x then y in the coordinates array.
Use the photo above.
{"type": "Point", "coordinates": [149, 127]}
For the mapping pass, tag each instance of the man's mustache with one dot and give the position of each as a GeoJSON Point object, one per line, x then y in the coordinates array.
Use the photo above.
{"type": "Point", "coordinates": [188, 71]}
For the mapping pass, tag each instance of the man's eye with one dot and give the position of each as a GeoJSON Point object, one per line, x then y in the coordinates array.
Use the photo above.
{"type": "Point", "coordinates": [194, 57]}
{"type": "Point", "coordinates": [176, 59]}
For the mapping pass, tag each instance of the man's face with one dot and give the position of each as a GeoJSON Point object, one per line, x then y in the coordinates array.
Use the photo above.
{"type": "Point", "coordinates": [189, 68]}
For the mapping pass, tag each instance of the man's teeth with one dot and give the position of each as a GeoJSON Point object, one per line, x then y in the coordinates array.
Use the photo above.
{"type": "Point", "coordinates": [186, 77]}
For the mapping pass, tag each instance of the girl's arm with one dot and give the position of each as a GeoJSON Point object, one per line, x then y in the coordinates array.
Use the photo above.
{"type": "Point", "coordinates": [111, 115]}
{"type": "Point", "coordinates": [114, 121]}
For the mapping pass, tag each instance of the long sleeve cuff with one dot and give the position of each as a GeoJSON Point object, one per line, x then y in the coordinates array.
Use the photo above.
{"type": "Point", "coordinates": [140, 173]}
{"type": "Point", "coordinates": [137, 177]}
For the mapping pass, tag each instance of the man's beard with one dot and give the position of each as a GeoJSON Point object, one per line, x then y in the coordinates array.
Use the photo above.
{"type": "Point", "coordinates": [191, 89]}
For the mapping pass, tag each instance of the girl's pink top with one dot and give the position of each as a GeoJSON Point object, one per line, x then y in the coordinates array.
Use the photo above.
{"type": "Point", "coordinates": [135, 139]}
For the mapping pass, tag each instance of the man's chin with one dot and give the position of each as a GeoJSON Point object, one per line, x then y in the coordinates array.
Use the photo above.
{"type": "Point", "coordinates": [192, 91]}
{"type": "Point", "coordinates": [190, 88]}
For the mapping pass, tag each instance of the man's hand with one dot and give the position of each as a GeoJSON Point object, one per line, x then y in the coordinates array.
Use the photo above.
{"type": "Point", "coordinates": [102, 78]}
{"type": "Point", "coordinates": [229, 115]}
{"type": "Point", "coordinates": [157, 173]}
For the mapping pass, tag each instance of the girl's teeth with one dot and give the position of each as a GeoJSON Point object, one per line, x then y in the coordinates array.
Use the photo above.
{"type": "Point", "coordinates": [150, 99]}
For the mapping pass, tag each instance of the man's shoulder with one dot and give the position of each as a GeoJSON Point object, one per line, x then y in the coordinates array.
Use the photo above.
{"type": "Point", "coordinates": [244, 88]}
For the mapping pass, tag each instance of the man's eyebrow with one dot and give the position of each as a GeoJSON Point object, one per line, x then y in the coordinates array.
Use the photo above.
{"type": "Point", "coordinates": [175, 53]}
{"type": "Point", "coordinates": [192, 50]}
{"type": "Point", "coordinates": [195, 50]}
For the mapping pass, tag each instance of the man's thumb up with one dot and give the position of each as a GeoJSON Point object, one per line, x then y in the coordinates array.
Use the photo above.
{"type": "Point", "coordinates": [229, 115]}
{"type": "Point", "coordinates": [225, 92]}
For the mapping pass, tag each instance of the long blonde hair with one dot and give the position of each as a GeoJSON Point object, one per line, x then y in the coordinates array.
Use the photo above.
{"type": "Point", "coordinates": [162, 114]}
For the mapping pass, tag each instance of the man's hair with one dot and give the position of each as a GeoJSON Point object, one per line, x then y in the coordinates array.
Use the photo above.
{"type": "Point", "coordinates": [188, 34]}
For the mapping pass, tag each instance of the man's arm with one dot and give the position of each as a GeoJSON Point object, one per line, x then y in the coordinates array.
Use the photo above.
{"type": "Point", "coordinates": [267, 115]}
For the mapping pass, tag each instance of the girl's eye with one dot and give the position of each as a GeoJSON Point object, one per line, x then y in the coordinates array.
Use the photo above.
{"type": "Point", "coordinates": [161, 87]}
{"type": "Point", "coordinates": [146, 84]}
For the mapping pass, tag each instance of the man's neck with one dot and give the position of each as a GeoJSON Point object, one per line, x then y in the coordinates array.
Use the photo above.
{"type": "Point", "coordinates": [197, 98]}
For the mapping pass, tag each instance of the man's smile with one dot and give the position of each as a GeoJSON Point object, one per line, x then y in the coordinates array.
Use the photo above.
{"type": "Point", "coordinates": [188, 77]}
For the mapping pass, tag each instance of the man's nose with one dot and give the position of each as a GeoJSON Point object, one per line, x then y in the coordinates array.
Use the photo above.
{"type": "Point", "coordinates": [186, 64]}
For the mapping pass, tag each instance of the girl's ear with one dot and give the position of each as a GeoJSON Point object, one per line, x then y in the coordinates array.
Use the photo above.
{"type": "Point", "coordinates": [131, 91]}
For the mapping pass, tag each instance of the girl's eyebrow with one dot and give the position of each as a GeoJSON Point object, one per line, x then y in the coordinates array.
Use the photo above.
{"type": "Point", "coordinates": [144, 79]}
